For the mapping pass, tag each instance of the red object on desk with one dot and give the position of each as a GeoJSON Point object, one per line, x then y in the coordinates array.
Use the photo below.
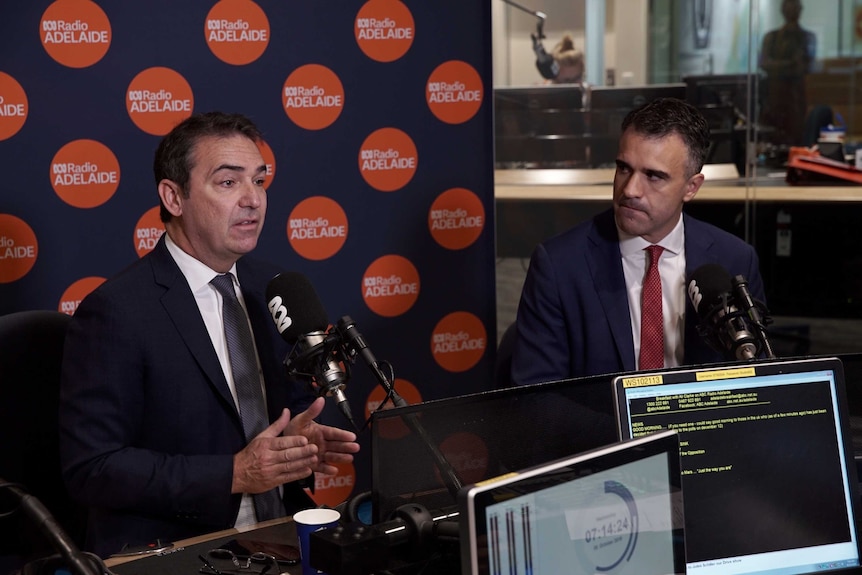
{"type": "Point", "coordinates": [807, 166]}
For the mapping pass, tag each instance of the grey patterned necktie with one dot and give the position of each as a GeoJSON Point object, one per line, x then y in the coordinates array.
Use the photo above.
{"type": "Point", "coordinates": [243, 365]}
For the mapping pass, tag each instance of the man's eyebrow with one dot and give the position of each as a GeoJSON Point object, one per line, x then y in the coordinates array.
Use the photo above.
{"type": "Point", "coordinates": [233, 168]}
{"type": "Point", "coordinates": [656, 173]}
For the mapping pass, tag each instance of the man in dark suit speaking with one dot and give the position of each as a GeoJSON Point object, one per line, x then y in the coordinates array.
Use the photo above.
{"type": "Point", "coordinates": [582, 310]}
{"type": "Point", "coordinates": [174, 418]}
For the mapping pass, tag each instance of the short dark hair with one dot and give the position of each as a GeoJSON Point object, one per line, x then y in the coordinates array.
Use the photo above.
{"type": "Point", "coordinates": [665, 116]}
{"type": "Point", "coordinates": [173, 156]}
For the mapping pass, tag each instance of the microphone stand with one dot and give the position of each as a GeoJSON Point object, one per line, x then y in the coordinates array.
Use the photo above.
{"type": "Point", "coordinates": [79, 563]}
{"type": "Point", "coordinates": [357, 346]}
{"type": "Point", "coordinates": [352, 548]}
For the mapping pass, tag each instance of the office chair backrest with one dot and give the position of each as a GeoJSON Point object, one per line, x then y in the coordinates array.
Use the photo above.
{"type": "Point", "coordinates": [31, 353]}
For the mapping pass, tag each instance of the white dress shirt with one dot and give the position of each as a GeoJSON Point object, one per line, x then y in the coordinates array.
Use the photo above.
{"type": "Point", "coordinates": [671, 267]}
{"type": "Point", "coordinates": [198, 275]}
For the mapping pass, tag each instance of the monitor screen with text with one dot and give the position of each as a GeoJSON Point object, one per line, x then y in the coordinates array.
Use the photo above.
{"type": "Point", "coordinates": [767, 482]}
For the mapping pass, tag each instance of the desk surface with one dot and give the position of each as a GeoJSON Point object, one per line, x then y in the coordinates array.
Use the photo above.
{"type": "Point", "coordinates": [722, 184]}
{"type": "Point", "coordinates": [182, 558]}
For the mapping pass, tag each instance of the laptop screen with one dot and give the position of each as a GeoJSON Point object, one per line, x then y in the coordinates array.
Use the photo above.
{"type": "Point", "coordinates": [613, 510]}
{"type": "Point", "coordinates": [767, 484]}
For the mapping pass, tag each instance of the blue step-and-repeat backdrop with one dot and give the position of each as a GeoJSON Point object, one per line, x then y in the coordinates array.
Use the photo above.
{"type": "Point", "coordinates": [377, 117]}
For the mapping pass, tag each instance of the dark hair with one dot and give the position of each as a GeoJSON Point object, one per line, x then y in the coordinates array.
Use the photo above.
{"type": "Point", "coordinates": [173, 156]}
{"type": "Point", "coordinates": [665, 116]}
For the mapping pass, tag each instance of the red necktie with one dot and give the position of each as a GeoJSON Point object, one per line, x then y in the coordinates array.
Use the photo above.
{"type": "Point", "coordinates": [652, 330]}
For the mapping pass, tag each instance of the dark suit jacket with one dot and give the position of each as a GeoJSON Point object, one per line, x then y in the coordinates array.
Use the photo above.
{"type": "Point", "coordinates": [573, 317]}
{"type": "Point", "coordinates": [148, 427]}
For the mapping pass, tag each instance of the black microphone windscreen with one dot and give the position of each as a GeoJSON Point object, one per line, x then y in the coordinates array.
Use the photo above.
{"type": "Point", "coordinates": [547, 66]}
{"type": "Point", "coordinates": [545, 63]}
{"type": "Point", "coordinates": [294, 306]}
{"type": "Point", "coordinates": [708, 285]}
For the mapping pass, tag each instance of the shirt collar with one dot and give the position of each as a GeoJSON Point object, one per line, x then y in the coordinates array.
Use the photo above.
{"type": "Point", "coordinates": [673, 242]}
{"type": "Point", "coordinates": [197, 274]}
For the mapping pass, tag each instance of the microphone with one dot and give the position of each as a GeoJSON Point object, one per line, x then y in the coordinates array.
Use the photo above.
{"type": "Point", "coordinates": [79, 563]}
{"type": "Point", "coordinates": [721, 323]}
{"type": "Point", "coordinates": [301, 320]}
{"type": "Point", "coordinates": [548, 67]}
{"type": "Point", "coordinates": [756, 311]}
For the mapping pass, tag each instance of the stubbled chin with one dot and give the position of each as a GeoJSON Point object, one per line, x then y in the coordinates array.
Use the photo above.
{"type": "Point", "coordinates": [630, 221]}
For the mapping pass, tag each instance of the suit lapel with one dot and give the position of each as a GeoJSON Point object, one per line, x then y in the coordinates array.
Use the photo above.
{"type": "Point", "coordinates": [180, 305]}
{"type": "Point", "coordinates": [606, 269]}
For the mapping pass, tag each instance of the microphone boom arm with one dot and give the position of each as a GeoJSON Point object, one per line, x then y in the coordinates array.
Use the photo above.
{"type": "Point", "coordinates": [356, 345]}
{"type": "Point", "coordinates": [540, 34]}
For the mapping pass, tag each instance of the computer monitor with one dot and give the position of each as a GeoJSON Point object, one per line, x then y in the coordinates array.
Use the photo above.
{"type": "Point", "coordinates": [630, 97]}
{"type": "Point", "coordinates": [424, 453]}
{"type": "Point", "coordinates": [731, 94]}
{"type": "Point", "coordinates": [769, 485]}
{"type": "Point", "coordinates": [540, 126]}
{"type": "Point", "coordinates": [615, 510]}
{"type": "Point", "coordinates": [537, 98]}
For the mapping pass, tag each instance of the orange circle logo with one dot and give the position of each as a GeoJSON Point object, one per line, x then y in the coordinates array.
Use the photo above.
{"type": "Point", "coordinates": [76, 293]}
{"type": "Point", "coordinates": [313, 97]}
{"type": "Point", "coordinates": [384, 29]}
{"type": "Point", "coordinates": [467, 453]}
{"type": "Point", "coordinates": [391, 428]}
{"type": "Point", "coordinates": [75, 33]}
{"type": "Point", "coordinates": [332, 490]}
{"type": "Point", "coordinates": [456, 218]}
{"type": "Point", "coordinates": [317, 228]}
{"type": "Point", "coordinates": [18, 248]}
{"type": "Point", "coordinates": [388, 159]}
{"type": "Point", "coordinates": [269, 160]}
{"type": "Point", "coordinates": [237, 31]}
{"type": "Point", "coordinates": [158, 99]}
{"type": "Point", "coordinates": [13, 106]}
{"type": "Point", "coordinates": [390, 285]}
{"type": "Point", "coordinates": [85, 173]}
{"type": "Point", "coordinates": [148, 230]}
{"type": "Point", "coordinates": [454, 92]}
{"type": "Point", "coordinates": [458, 341]}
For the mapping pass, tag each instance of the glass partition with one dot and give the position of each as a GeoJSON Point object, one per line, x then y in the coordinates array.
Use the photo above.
{"type": "Point", "coordinates": [780, 82]}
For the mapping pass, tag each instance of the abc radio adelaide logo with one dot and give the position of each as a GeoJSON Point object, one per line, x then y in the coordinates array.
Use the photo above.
{"type": "Point", "coordinates": [454, 92]}
{"type": "Point", "coordinates": [148, 231]}
{"type": "Point", "coordinates": [456, 218]}
{"type": "Point", "coordinates": [313, 97]}
{"type": "Point", "coordinates": [390, 285]}
{"type": "Point", "coordinates": [317, 228]}
{"type": "Point", "coordinates": [384, 29]}
{"type": "Point", "coordinates": [75, 33]}
{"type": "Point", "coordinates": [85, 173]}
{"type": "Point", "coordinates": [458, 341]}
{"type": "Point", "coordinates": [158, 99]}
{"type": "Point", "coordinates": [237, 31]}
{"type": "Point", "coordinates": [18, 248]}
{"type": "Point", "coordinates": [13, 106]}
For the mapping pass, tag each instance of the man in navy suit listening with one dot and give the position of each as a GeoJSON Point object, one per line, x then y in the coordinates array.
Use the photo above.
{"type": "Point", "coordinates": [153, 437]}
{"type": "Point", "coordinates": [580, 309]}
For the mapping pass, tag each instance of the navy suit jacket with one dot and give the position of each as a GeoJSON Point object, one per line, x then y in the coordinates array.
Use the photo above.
{"type": "Point", "coordinates": [148, 427]}
{"type": "Point", "coordinates": [573, 318]}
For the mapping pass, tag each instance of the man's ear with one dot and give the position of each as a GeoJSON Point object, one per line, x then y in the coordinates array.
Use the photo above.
{"type": "Point", "coordinates": [172, 197]}
{"type": "Point", "coordinates": [692, 186]}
